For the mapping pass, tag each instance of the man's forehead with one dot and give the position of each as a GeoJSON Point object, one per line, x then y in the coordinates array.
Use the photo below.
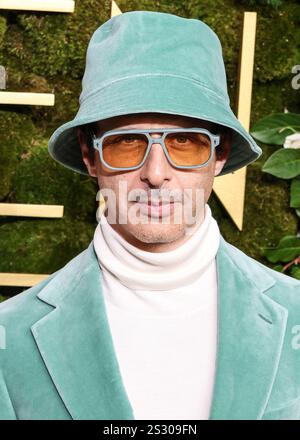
{"type": "Point", "coordinates": [150, 119]}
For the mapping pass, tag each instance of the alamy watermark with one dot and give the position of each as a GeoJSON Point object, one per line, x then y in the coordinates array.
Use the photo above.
{"type": "Point", "coordinates": [2, 337]}
{"type": "Point", "coordinates": [156, 206]}
{"type": "Point", "coordinates": [296, 79]}
{"type": "Point", "coordinates": [296, 338]}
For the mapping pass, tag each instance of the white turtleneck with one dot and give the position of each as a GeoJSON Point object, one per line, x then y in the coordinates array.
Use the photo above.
{"type": "Point", "coordinates": [162, 312]}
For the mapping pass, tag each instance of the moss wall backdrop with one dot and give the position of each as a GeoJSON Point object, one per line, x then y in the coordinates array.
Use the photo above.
{"type": "Point", "coordinates": [45, 52]}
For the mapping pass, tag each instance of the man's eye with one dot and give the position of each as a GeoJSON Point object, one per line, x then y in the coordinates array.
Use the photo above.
{"type": "Point", "coordinates": [130, 138]}
{"type": "Point", "coordinates": [181, 139]}
{"type": "Point", "coordinates": [127, 138]}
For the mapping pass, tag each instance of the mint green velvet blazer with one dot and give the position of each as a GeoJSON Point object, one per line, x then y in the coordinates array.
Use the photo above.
{"type": "Point", "coordinates": [59, 360]}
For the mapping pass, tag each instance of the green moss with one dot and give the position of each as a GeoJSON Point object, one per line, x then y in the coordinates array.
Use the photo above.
{"type": "Point", "coordinates": [253, 3]}
{"type": "Point", "coordinates": [3, 28]}
{"type": "Point", "coordinates": [274, 97]}
{"type": "Point", "coordinates": [40, 179]}
{"type": "Point", "coordinates": [267, 216]}
{"type": "Point", "coordinates": [18, 82]}
{"type": "Point", "coordinates": [17, 132]}
{"type": "Point", "coordinates": [42, 245]}
{"type": "Point", "coordinates": [280, 28]}
{"type": "Point", "coordinates": [54, 44]}
{"type": "Point", "coordinates": [3, 298]}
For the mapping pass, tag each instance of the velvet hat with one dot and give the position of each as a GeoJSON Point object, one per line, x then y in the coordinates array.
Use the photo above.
{"type": "Point", "coordinates": [143, 61]}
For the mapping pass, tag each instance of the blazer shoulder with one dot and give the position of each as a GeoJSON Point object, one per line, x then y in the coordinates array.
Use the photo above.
{"type": "Point", "coordinates": [25, 308]}
{"type": "Point", "coordinates": [18, 305]}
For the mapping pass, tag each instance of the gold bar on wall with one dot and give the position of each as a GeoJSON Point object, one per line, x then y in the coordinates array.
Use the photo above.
{"type": "Point", "coordinates": [246, 69]}
{"type": "Point", "coordinates": [230, 189]}
{"type": "Point", "coordinates": [21, 279]}
{"type": "Point", "coordinates": [26, 210]}
{"type": "Point", "coordinates": [24, 98]}
{"type": "Point", "coordinates": [39, 5]}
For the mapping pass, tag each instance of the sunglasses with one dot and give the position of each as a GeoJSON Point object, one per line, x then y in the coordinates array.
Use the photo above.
{"type": "Point", "coordinates": [185, 148]}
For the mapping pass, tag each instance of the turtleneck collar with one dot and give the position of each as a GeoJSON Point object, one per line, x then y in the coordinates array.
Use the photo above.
{"type": "Point", "coordinates": [157, 271]}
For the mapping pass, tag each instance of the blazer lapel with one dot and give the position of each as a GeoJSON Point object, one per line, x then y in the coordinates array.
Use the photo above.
{"type": "Point", "coordinates": [251, 328]}
{"type": "Point", "coordinates": [75, 343]}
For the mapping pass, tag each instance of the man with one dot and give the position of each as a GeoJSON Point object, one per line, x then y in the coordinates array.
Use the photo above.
{"type": "Point", "coordinates": [158, 318]}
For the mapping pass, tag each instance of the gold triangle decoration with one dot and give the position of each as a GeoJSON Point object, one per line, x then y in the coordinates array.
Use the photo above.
{"type": "Point", "coordinates": [115, 10]}
{"type": "Point", "coordinates": [230, 189]}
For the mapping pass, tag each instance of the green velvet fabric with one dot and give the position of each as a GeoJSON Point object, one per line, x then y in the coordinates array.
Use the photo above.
{"type": "Point", "coordinates": [59, 361]}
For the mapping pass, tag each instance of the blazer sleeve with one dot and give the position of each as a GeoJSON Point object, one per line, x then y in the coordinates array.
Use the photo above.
{"type": "Point", "coordinates": [7, 411]}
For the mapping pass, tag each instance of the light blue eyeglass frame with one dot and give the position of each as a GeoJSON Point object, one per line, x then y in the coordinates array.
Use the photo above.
{"type": "Point", "coordinates": [215, 141]}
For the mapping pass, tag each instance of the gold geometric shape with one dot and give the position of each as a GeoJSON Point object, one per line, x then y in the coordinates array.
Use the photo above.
{"type": "Point", "coordinates": [24, 98]}
{"type": "Point", "coordinates": [115, 10]}
{"type": "Point", "coordinates": [21, 279]}
{"type": "Point", "coordinates": [26, 210]}
{"type": "Point", "coordinates": [39, 5]}
{"type": "Point", "coordinates": [230, 189]}
{"type": "Point", "coordinates": [246, 69]}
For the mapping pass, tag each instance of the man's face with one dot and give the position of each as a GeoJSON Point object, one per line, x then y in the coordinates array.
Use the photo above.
{"type": "Point", "coordinates": [150, 229]}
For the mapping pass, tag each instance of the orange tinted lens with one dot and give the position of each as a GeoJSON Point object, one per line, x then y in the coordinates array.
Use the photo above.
{"type": "Point", "coordinates": [124, 150]}
{"type": "Point", "coordinates": [188, 149]}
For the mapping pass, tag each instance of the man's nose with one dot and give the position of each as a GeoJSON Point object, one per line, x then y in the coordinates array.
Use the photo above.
{"type": "Point", "coordinates": [157, 168]}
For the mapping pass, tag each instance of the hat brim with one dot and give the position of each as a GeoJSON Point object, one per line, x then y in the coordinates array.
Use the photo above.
{"type": "Point", "coordinates": [170, 94]}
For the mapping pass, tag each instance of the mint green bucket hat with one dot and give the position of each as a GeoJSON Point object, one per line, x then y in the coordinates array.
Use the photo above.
{"type": "Point", "coordinates": [143, 61]}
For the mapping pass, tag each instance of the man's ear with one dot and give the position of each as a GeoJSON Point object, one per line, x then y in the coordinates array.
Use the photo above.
{"type": "Point", "coordinates": [222, 151]}
{"type": "Point", "coordinates": [86, 156]}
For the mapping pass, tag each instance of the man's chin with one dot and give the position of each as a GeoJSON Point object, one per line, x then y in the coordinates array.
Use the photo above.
{"type": "Point", "coordinates": [154, 233]}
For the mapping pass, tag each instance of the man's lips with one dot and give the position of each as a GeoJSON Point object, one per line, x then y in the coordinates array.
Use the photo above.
{"type": "Point", "coordinates": [156, 209]}
{"type": "Point", "coordinates": [154, 202]}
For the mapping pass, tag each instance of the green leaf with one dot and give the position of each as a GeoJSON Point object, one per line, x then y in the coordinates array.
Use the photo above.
{"type": "Point", "coordinates": [273, 129]}
{"type": "Point", "coordinates": [287, 249]}
{"type": "Point", "coordinates": [279, 267]}
{"type": "Point", "coordinates": [284, 163]}
{"type": "Point", "coordinates": [295, 193]}
{"type": "Point", "coordinates": [295, 271]}
{"type": "Point", "coordinates": [298, 212]}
